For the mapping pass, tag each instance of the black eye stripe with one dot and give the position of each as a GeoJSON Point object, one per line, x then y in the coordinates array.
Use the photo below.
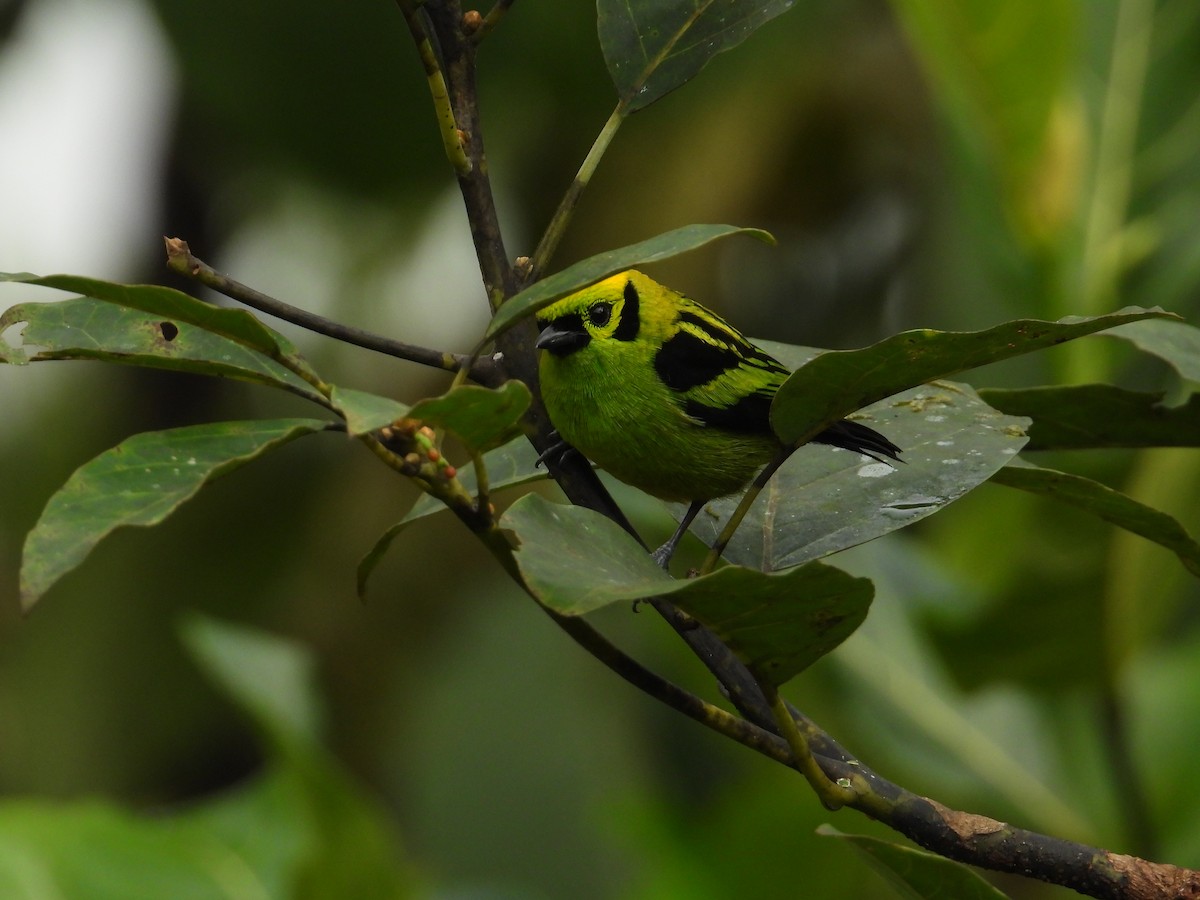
{"type": "Point", "coordinates": [631, 319]}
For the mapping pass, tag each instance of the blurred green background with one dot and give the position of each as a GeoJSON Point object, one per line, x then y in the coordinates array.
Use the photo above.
{"type": "Point", "coordinates": [922, 163]}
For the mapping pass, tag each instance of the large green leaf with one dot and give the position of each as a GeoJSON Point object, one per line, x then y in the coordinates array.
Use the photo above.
{"type": "Point", "coordinates": [575, 560]}
{"type": "Point", "coordinates": [595, 268]}
{"type": "Point", "coordinates": [841, 381]}
{"type": "Point", "coordinates": [140, 482]}
{"type": "Point", "coordinates": [173, 306]}
{"type": "Point", "coordinates": [1110, 505]}
{"type": "Point", "coordinates": [482, 418]}
{"type": "Point", "coordinates": [1177, 343]}
{"type": "Point", "coordinates": [86, 328]}
{"type": "Point", "coordinates": [823, 500]}
{"type": "Point", "coordinates": [1098, 415]}
{"type": "Point", "coordinates": [917, 874]}
{"type": "Point", "coordinates": [652, 48]}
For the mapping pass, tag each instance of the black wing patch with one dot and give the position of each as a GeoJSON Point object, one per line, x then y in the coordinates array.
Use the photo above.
{"type": "Point", "coordinates": [686, 361]}
{"type": "Point", "coordinates": [751, 414]}
{"type": "Point", "coordinates": [727, 336]}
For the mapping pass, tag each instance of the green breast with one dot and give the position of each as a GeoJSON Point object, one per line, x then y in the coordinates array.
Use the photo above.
{"type": "Point", "coordinates": [630, 424]}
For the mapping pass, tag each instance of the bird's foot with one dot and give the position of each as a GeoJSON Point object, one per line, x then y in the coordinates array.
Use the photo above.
{"type": "Point", "coordinates": [556, 452]}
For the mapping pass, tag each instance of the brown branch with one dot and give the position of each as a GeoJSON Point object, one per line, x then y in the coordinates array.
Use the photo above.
{"type": "Point", "coordinates": [180, 259]}
{"type": "Point", "coordinates": [958, 835]}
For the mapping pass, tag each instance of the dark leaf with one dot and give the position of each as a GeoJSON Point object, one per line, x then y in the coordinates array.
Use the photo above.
{"type": "Point", "coordinates": [482, 418]}
{"type": "Point", "coordinates": [1089, 416]}
{"type": "Point", "coordinates": [85, 328]}
{"type": "Point", "coordinates": [173, 306]}
{"type": "Point", "coordinates": [140, 482]}
{"type": "Point", "coordinates": [596, 268]}
{"type": "Point", "coordinates": [841, 381]}
{"type": "Point", "coordinates": [575, 560]}
{"type": "Point", "coordinates": [1177, 343]}
{"type": "Point", "coordinates": [652, 48]}
{"type": "Point", "coordinates": [1112, 506]}
{"type": "Point", "coordinates": [823, 500]}
{"type": "Point", "coordinates": [917, 874]}
{"type": "Point", "coordinates": [365, 412]}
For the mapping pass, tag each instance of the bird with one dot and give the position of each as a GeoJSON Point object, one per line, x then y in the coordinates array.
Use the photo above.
{"type": "Point", "coordinates": [665, 395]}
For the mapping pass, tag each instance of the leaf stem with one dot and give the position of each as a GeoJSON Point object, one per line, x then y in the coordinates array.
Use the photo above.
{"type": "Point", "coordinates": [743, 507]}
{"type": "Point", "coordinates": [566, 208]}
{"type": "Point", "coordinates": [833, 794]}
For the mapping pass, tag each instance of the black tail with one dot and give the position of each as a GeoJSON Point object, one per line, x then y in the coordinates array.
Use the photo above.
{"type": "Point", "coordinates": [859, 438]}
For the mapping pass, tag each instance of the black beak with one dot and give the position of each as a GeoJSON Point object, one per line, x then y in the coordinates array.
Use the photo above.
{"type": "Point", "coordinates": [561, 339]}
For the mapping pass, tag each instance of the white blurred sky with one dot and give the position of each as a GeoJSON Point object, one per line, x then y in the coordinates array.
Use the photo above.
{"type": "Point", "coordinates": [86, 88]}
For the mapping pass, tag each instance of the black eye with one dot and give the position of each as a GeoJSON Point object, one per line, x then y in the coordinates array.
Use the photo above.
{"type": "Point", "coordinates": [599, 314]}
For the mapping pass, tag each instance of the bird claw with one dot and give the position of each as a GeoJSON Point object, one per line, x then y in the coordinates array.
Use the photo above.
{"type": "Point", "coordinates": [556, 451]}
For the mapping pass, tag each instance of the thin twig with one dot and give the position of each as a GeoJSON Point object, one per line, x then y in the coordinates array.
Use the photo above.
{"type": "Point", "coordinates": [181, 260]}
{"type": "Point", "coordinates": [566, 208]}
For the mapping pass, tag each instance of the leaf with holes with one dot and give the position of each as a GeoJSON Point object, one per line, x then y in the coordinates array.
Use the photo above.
{"type": "Point", "coordinates": [140, 482]}
{"type": "Point", "coordinates": [174, 306]}
{"type": "Point", "coordinates": [85, 328]}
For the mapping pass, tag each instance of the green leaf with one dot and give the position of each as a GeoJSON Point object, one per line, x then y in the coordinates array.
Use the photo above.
{"type": "Point", "coordinates": [85, 328]}
{"type": "Point", "coordinates": [482, 418]}
{"type": "Point", "coordinates": [509, 466]}
{"type": "Point", "coordinates": [823, 500]}
{"type": "Point", "coordinates": [174, 306]}
{"type": "Point", "coordinates": [365, 412]}
{"type": "Point", "coordinates": [1110, 505]}
{"type": "Point", "coordinates": [917, 874]}
{"type": "Point", "coordinates": [1177, 343]}
{"type": "Point", "coordinates": [841, 381]}
{"type": "Point", "coordinates": [140, 482]}
{"type": "Point", "coordinates": [1089, 416]}
{"type": "Point", "coordinates": [575, 560]}
{"type": "Point", "coordinates": [653, 48]}
{"type": "Point", "coordinates": [596, 268]}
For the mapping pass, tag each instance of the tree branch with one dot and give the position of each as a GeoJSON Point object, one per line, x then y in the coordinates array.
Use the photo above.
{"type": "Point", "coordinates": [180, 259]}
